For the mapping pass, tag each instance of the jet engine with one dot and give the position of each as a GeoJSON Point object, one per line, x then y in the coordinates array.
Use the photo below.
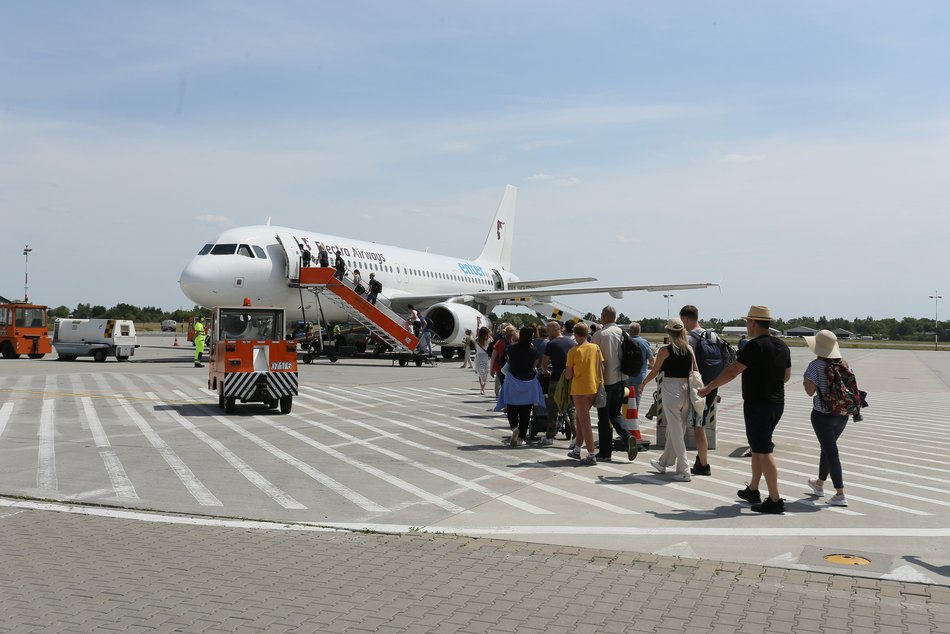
{"type": "Point", "coordinates": [449, 323]}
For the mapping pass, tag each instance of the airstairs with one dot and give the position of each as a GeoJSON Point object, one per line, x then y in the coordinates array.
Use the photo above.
{"type": "Point", "coordinates": [378, 318]}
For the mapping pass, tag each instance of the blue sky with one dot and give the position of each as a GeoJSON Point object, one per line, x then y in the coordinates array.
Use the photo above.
{"type": "Point", "coordinates": [768, 147]}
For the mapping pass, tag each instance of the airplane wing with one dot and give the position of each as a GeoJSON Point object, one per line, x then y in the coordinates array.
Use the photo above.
{"type": "Point", "coordinates": [537, 294]}
{"type": "Point", "coordinates": [556, 282]}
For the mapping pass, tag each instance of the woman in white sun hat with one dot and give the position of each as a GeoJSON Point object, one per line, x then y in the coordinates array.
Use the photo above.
{"type": "Point", "coordinates": [828, 426]}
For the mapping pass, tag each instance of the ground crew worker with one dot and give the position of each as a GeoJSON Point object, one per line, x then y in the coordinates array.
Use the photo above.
{"type": "Point", "coordinates": [199, 340]}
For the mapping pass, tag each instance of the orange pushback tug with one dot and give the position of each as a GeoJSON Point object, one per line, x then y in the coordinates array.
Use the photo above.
{"type": "Point", "coordinates": [251, 361]}
{"type": "Point", "coordinates": [24, 330]}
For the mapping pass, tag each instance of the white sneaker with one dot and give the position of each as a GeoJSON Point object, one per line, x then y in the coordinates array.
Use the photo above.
{"type": "Point", "coordinates": [816, 488]}
{"type": "Point", "coordinates": [656, 465]}
{"type": "Point", "coordinates": [574, 454]}
{"type": "Point", "coordinates": [514, 437]}
{"type": "Point", "coordinates": [837, 499]}
{"type": "Point", "coordinates": [682, 477]}
{"type": "Point", "coordinates": [546, 442]}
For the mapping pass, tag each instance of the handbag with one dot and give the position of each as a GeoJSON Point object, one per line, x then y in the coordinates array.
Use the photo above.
{"type": "Point", "coordinates": [601, 399]}
{"type": "Point", "coordinates": [651, 413]}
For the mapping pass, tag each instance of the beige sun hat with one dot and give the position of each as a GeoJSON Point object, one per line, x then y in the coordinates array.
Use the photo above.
{"type": "Point", "coordinates": [675, 324]}
{"type": "Point", "coordinates": [824, 344]}
{"type": "Point", "coordinates": [759, 313]}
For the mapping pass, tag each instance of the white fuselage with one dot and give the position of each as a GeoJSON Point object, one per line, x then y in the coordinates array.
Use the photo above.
{"type": "Point", "coordinates": [257, 262]}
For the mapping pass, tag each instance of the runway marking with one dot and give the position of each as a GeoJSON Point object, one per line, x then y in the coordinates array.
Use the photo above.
{"type": "Point", "coordinates": [433, 499]}
{"type": "Point", "coordinates": [852, 497]}
{"type": "Point", "coordinates": [366, 468]}
{"type": "Point", "coordinates": [337, 487]}
{"type": "Point", "coordinates": [191, 482]}
{"type": "Point", "coordinates": [5, 413]}
{"type": "Point", "coordinates": [46, 459]}
{"type": "Point", "coordinates": [252, 476]}
{"type": "Point", "coordinates": [121, 484]}
{"type": "Point", "coordinates": [468, 484]}
{"type": "Point", "coordinates": [523, 530]}
{"type": "Point", "coordinates": [158, 518]}
{"type": "Point", "coordinates": [506, 474]}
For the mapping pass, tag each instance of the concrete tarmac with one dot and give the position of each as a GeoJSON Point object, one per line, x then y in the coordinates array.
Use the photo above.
{"type": "Point", "coordinates": [413, 450]}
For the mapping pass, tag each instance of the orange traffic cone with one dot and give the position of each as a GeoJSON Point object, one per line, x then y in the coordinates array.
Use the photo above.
{"type": "Point", "coordinates": [630, 414]}
{"type": "Point", "coordinates": [176, 339]}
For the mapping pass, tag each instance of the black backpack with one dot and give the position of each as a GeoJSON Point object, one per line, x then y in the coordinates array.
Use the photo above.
{"type": "Point", "coordinates": [713, 354]}
{"type": "Point", "coordinates": [631, 355]}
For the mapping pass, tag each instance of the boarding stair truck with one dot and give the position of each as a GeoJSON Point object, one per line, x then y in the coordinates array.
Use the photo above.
{"type": "Point", "coordinates": [251, 360]}
{"type": "Point", "coordinates": [96, 338]}
{"type": "Point", "coordinates": [24, 329]}
{"type": "Point", "coordinates": [381, 322]}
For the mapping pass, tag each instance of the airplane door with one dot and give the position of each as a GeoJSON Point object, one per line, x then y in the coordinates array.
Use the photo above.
{"type": "Point", "coordinates": [291, 252]}
{"type": "Point", "coordinates": [499, 282]}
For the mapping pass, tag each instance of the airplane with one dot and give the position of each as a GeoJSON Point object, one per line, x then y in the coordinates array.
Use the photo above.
{"type": "Point", "coordinates": [260, 262]}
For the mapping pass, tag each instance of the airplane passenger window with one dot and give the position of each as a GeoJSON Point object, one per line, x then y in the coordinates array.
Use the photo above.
{"type": "Point", "coordinates": [259, 252]}
{"type": "Point", "coordinates": [245, 251]}
{"type": "Point", "coordinates": [224, 249]}
{"type": "Point", "coordinates": [205, 249]}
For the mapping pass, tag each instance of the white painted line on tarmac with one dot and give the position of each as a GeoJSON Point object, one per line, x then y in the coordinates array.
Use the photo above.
{"type": "Point", "coordinates": [531, 483]}
{"type": "Point", "coordinates": [46, 458]}
{"type": "Point", "coordinates": [689, 531]}
{"type": "Point", "coordinates": [628, 491]}
{"type": "Point", "coordinates": [5, 413]}
{"type": "Point", "coordinates": [337, 487]}
{"type": "Point", "coordinates": [679, 549]}
{"type": "Point", "coordinates": [784, 483]}
{"type": "Point", "coordinates": [159, 518]}
{"type": "Point", "coordinates": [250, 474]}
{"type": "Point", "coordinates": [908, 574]}
{"type": "Point", "coordinates": [191, 482]}
{"type": "Point", "coordinates": [121, 484]}
{"type": "Point", "coordinates": [467, 484]}
{"type": "Point", "coordinates": [395, 481]}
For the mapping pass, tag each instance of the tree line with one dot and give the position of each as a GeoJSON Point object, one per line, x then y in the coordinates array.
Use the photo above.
{"type": "Point", "coordinates": [144, 314]}
{"type": "Point", "coordinates": [905, 329]}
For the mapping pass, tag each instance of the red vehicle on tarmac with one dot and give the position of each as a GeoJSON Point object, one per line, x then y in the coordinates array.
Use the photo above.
{"type": "Point", "coordinates": [251, 360]}
{"type": "Point", "coordinates": [24, 329]}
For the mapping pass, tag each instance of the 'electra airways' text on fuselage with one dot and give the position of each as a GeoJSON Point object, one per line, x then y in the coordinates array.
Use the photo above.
{"type": "Point", "coordinates": [261, 262]}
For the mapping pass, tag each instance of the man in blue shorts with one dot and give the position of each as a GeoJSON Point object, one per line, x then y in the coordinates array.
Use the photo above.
{"type": "Point", "coordinates": [765, 364]}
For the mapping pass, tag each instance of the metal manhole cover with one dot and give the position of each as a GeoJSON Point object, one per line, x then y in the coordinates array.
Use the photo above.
{"type": "Point", "coordinates": [847, 560]}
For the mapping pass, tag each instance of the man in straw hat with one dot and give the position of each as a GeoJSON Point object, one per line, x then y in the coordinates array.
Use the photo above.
{"type": "Point", "coordinates": [765, 364]}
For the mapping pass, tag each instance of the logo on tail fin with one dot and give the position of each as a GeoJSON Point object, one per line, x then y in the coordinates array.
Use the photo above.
{"type": "Point", "coordinates": [498, 227]}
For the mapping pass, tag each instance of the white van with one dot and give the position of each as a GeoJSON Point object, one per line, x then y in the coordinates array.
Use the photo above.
{"type": "Point", "coordinates": [96, 338]}
{"type": "Point", "coordinates": [169, 325]}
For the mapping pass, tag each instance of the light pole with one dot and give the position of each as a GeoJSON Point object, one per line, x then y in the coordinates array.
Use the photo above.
{"type": "Point", "coordinates": [936, 297]}
{"type": "Point", "coordinates": [667, 296]}
{"type": "Point", "coordinates": [26, 274]}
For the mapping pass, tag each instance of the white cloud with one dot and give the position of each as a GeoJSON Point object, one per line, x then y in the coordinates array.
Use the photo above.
{"type": "Point", "coordinates": [541, 177]}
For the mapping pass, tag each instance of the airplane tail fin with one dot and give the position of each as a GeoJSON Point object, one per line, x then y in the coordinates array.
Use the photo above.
{"type": "Point", "coordinates": [497, 249]}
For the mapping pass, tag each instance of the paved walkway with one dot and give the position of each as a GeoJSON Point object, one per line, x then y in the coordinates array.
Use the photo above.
{"type": "Point", "coordinates": [77, 573]}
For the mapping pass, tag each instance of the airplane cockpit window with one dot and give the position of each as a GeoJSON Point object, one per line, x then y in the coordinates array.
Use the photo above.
{"type": "Point", "coordinates": [245, 251]}
{"type": "Point", "coordinates": [224, 249]}
{"type": "Point", "coordinates": [259, 252]}
{"type": "Point", "coordinates": [205, 249]}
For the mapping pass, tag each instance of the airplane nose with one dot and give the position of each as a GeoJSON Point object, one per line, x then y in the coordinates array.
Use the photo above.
{"type": "Point", "coordinates": [197, 281]}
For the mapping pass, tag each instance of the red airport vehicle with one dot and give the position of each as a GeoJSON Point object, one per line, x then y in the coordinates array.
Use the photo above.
{"type": "Point", "coordinates": [251, 361]}
{"type": "Point", "coordinates": [24, 329]}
